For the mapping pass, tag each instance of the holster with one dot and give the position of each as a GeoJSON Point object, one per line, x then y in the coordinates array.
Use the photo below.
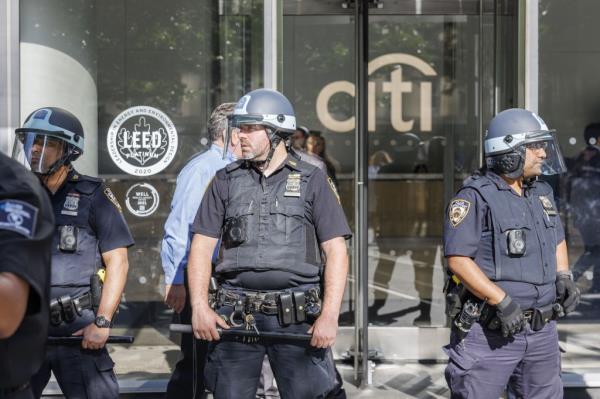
{"type": "Point", "coordinates": [456, 295]}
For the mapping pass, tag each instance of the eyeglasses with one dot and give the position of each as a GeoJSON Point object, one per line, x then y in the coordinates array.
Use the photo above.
{"type": "Point", "coordinates": [540, 145]}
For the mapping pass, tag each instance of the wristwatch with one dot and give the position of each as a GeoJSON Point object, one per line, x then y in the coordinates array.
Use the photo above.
{"type": "Point", "coordinates": [102, 322]}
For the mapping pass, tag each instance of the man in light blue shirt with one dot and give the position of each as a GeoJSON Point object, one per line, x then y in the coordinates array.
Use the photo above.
{"type": "Point", "coordinates": [186, 382]}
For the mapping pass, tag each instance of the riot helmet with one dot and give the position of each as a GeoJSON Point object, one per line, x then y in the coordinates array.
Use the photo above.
{"type": "Point", "coordinates": [267, 108]}
{"type": "Point", "coordinates": [510, 133]}
{"type": "Point", "coordinates": [50, 138]}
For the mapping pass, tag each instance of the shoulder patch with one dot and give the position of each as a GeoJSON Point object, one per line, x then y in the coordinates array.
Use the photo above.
{"type": "Point", "coordinates": [109, 194]}
{"type": "Point", "coordinates": [18, 216]}
{"type": "Point", "coordinates": [458, 210]}
{"type": "Point", "coordinates": [332, 185]}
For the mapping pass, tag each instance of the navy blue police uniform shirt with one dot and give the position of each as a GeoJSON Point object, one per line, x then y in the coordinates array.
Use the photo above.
{"type": "Point", "coordinates": [105, 218]}
{"type": "Point", "coordinates": [467, 235]}
{"type": "Point", "coordinates": [325, 213]}
{"type": "Point", "coordinates": [26, 230]}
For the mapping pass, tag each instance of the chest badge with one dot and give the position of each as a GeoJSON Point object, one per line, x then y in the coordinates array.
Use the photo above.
{"type": "Point", "coordinates": [71, 205]}
{"type": "Point", "coordinates": [292, 185]}
{"type": "Point", "coordinates": [458, 211]}
{"type": "Point", "coordinates": [547, 205]}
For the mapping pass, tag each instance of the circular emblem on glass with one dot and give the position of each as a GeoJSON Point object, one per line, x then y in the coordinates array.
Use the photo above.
{"type": "Point", "coordinates": [142, 141]}
{"type": "Point", "coordinates": [142, 199]}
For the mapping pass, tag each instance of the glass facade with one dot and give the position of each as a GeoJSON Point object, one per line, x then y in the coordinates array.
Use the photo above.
{"type": "Point", "coordinates": [433, 78]}
{"type": "Point", "coordinates": [568, 97]}
{"type": "Point", "coordinates": [143, 76]}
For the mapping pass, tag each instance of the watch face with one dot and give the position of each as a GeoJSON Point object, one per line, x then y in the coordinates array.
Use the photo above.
{"type": "Point", "coordinates": [102, 322]}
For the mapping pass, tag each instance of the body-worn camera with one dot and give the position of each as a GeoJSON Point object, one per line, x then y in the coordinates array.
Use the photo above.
{"type": "Point", "coordinates": [68, 238]}
{"type": "Point", "coordinates": [516, 242]}
{"type": "Point", "coordinates": [235, 232]}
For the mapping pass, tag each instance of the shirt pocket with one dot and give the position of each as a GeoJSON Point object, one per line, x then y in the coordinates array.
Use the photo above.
{"type": "Point", "coordinates": [289, 223]}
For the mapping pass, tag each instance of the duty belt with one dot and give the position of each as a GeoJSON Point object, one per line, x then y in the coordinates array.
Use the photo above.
{"type": "Point", "coordinates": [66, 309]}
{"type": "Point", "coordinates": [289, 305]}
{"type": "Point", "coordinates": [536, 317]}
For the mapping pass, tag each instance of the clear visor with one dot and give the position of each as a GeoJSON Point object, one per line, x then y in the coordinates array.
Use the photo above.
{"type": "Point", "coordinates": [554, 162]}
{"type": "Point", "coordinates": [37, 152]}
{"type": "Point", "coordinates": [231, 130]}
{"type": "Point", "coordinates": [239, 120]}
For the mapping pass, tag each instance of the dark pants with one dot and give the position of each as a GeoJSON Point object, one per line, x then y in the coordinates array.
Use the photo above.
{"type": "Point", "coordinates": [186, 381]}
{"type": "Point", "coordinates": [233, 368]}
{"type": "Point", "coordinates": [81, 373]}
{"type": "Point", "coordinates": [484, 363]}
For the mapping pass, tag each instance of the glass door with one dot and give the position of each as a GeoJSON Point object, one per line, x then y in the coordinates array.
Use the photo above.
{"type": "Point", "coordinates": [399, 91]}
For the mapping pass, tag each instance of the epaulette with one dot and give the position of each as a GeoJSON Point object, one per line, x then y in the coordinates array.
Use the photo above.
{"type": "Point", "coordinates": [85, 184]}
{"type": "Point", "coordinates": [541, 187]}
{"type": "Point", "coordinates": [234, 165]}
{"type": "Point", "coordinates": [300, 165]}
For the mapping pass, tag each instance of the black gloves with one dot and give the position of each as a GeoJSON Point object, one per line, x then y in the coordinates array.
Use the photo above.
{"type": "Point", "coordinates": [511, 316]}
{"type": "Point", "coordinates": [567, 293]}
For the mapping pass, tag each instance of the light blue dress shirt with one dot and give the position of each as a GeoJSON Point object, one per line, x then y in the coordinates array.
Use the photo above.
{"type": "Point", "coordinates": [191, 184]}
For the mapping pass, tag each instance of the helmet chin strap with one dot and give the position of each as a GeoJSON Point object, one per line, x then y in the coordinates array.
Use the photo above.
{"type": "Point", "coordinates": [274, 139]}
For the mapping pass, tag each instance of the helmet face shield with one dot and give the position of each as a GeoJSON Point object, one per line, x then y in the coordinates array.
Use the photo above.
{"type": "Point", "coordinates": [554, 162]}
{"type": "Point", "coordinates": [38, 152]}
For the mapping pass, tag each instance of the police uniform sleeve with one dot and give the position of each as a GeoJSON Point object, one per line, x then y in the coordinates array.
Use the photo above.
{"type": "Point", "coordinates": [327, 212]}
{"type": "Point", "coordinates": [108, 222]}
{"type": "Point", "coordinates": [211, 213]}
{"type": "Point", "coordinates": [26, 230]}
{"type": "Point", "coordinates": [463, 224]}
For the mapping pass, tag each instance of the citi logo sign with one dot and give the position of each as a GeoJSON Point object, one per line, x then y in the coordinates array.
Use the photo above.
{"type": "Point", "coordinates": [398, 89]}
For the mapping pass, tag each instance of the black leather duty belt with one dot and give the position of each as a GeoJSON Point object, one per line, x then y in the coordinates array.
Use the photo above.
{"type": "Point", "coordinates": [66, 309]}
{"type": "Point", "coordinates": [289, 305]}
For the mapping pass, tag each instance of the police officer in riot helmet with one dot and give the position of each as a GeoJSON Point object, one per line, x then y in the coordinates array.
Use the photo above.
{"type": "Point", "coordinates": [510, 279]}
{"type": "Point", "coordinates": [26, 227]}
{"type": "Point", "coordinates": [274, 214]}
{"type": "Point", "coordinates": [89, 255]}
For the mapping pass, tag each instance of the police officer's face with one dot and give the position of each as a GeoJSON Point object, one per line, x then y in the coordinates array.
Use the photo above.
{"type": "Point", "coordinates": [535, 154]}
{"type": "Point", "coordinates": [46, 152]}
{"type": "Point", "coordinates": [255, 142]}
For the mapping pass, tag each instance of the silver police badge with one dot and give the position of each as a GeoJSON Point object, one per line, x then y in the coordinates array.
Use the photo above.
{"type": "Point", "coordinates": [71, 205]}
{"type": "Point", "coordinates": [292, 185]}
{"type": "Point", "coordinates": [547, 204]}
{"type": "Point", "coordinates": [457, 211]}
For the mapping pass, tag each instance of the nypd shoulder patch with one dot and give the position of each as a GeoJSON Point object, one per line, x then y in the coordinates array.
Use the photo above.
{"type": "Point", "coordinates": [458, 210]}
{"type": "Point", "coordinates": [334, 189]}
{"type": "Point", "coordinates": [18, 216]}
{"type": "Point", "coordinates": [109, 194]}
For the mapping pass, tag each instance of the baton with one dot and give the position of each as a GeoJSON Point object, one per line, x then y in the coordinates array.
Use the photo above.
{"type": "Point", "coordinates": [187, 329]}
{"type": "Point", "coordinates": [113, 339]}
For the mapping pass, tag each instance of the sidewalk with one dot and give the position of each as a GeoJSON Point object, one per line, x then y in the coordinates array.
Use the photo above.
{"type": "Point", "coordinates": [581, 367]}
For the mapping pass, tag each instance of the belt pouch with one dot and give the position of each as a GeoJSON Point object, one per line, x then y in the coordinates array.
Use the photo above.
{"type": "Point", "coordinates": [286, 309]}
{"type": "Point", "coordinates": [55, 312]}
{"type": "Point", "coordinates": [299, 304]}
{"type": "Point", "coordinates": [541, 316]}
{"type": "Point", "coordinates": [67, 308]}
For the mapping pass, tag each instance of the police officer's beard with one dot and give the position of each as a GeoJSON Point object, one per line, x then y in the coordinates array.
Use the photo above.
{"type": "Point", "coordinates": [250, 153]}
